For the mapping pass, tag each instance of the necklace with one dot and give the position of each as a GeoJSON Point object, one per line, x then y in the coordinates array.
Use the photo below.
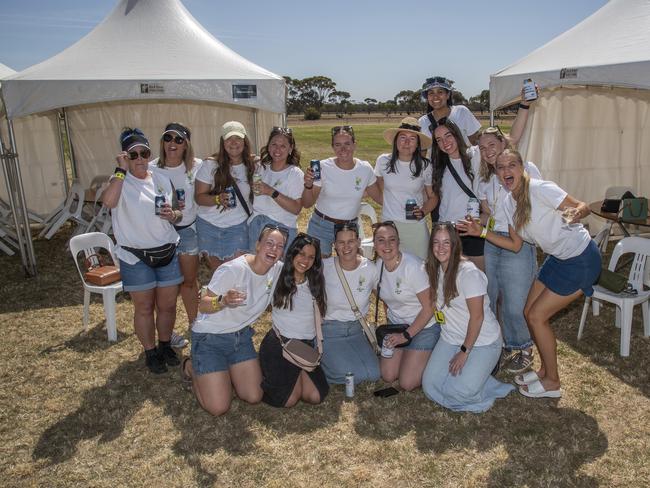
{"type": "Point", "coordinates": [397, 261]}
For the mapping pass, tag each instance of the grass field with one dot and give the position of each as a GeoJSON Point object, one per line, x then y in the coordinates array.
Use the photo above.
{"type": "Point", "coordinates": [76, 410]}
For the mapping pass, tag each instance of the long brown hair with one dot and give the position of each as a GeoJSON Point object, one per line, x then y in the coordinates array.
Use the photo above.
{"type": "Point", "coordinates": [487, 170]}
{"type": "Point", "coordinates": [294, 154]}
{"type": "Point", "coordinates": [222, 177]}
{"type": "Point", "coordinates": [441, 158]}
{"type": "Point", "coordinates": [188, 153]}
{"type": "Point", "coordinates": [433, 266]}
{"type": "Point", "coordinates": [521, 194]}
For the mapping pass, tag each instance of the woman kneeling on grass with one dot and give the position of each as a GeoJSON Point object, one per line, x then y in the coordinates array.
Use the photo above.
{"type": "Point", "coordinates": [223, 355]}
{"type": "Point", "coordinates": [457, 375]}
{"type": "Point", "coordinates": [299, 295]}
{"type": "Point", "coordinates": [535, 210]}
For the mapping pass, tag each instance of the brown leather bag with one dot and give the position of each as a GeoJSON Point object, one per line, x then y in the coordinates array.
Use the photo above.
{"type": "Point", "coordinates": [99, 273]}
{"type": "Point", "coordinates": [300, 354]}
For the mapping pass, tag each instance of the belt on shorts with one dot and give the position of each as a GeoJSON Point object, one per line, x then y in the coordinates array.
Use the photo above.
{"type": "Point", "coordinates": [332, 219]}
{"type": "Point", "coordinates": [181, 227]}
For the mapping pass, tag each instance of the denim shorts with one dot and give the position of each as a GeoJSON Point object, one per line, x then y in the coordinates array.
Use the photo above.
{"type": "Point", "coordinates": [323, 230]}
{"type": "Point", "coordinates": [425, 340]}
{"type": "Point", "coordinates": [566, 276]}
{"type": "Point", "coordinates": [212, 353]}
{"type": "Point", "coordinates": [189, 243]}
{"type": "Point", "coordinates": [257, 224]}
{"type": "Point", "coordinates": [140, 277]}
{"type": "Point", "coordinates": [222, 242]}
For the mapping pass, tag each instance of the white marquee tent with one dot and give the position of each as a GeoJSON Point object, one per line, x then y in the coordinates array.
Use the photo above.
{"type": "Point", "coordinates": [148, 63]}
{"type": "Point", "coordinates": [590, 128]}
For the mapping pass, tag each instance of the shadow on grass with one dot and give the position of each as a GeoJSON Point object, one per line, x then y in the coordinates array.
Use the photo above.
{"type": "Point", "coordinates": [545, 445]}
{"type": "Point", "coordinates": [93, 340]}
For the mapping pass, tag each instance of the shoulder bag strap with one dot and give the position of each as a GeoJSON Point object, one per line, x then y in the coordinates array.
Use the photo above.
{"type": "Point", "coordinates": [381, 273]}
{"type": "Point", "coordinates": [240, 197]}
{"type": "Point", "coordinates": [460, 182]}
{"type": "Point", "coordinates": [318, 322]}
{"type": "Point", "coordinates": [433, 124]}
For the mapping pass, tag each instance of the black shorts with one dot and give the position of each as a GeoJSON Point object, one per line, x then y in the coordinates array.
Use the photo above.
{"type": "Point", "coordinates": [472, 246]}
{"type": "Point", "coordinates": [279, 376]}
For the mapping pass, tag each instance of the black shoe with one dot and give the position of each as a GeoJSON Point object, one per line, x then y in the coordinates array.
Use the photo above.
{"type": "Point", "coordinates": [155, 362]}
{"type": "Point", "coordinates": [167, 355]}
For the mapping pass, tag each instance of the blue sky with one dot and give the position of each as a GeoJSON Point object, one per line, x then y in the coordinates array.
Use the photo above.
{"type": "Point", "coordinates": [369, 48]}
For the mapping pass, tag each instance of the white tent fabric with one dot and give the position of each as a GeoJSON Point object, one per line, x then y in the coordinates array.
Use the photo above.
{"type": "Point", "coordinates": [5, 71]}
{"type": "Point", "coordinates": [590, 129]}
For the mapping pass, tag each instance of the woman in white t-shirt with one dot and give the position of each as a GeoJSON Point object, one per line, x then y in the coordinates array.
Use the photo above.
{"type": "Point", "coordinates": [404, 177]}
{"type": "Point", "coordinates": [437, 93]}
{"type": "Point", "coordinates": [298, 296]}
{"type": "Point", "coordinates": [338, 192]}
{"type": "Point", "coordinates": [346, 348]}
{"type": "Point", "coordinates": [452, 155]}
{"type": "Point", "coordinates": [279, 191]}
{"type": "Point", "coordinates": [223, 355]}
{"type": "Point", "coordinates": [142, 215]}
{"type": "Point", "coordinates": [404, 288]}
{"type": "Point", "coordinates": [536, 210]}
{"type": "Point", "coordinates": [221, 221]}
{"type": "Point", "coordinates": [457, 375]}
{"type": "Point", "coordinates": [177, 162]}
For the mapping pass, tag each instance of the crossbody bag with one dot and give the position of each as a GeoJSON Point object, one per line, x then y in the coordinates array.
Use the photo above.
{"type": "Point", "coordinates": [384, 330]}
{"type": "Point", "coordinates": [300, 354]}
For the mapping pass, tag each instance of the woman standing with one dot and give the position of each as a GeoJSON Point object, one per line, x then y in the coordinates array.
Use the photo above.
{"type": "Point", "coordinates": [279, 193]}
{"type": "Point", "coordinates": [299, 295]}
{"type": "Point", "coordinates": [339, 190]}
{"type": "Point", "coordinates": [457, 375]}
{"type": "Point", "coordinates": [403, 177]}
{"type": "Point", "coordinates": [223, 355]}
{"type": "Point", "coordinates": [404, 288]}
{"type": "Point", "coordinates": [536, 211]}
{"type": "Point", "coordinates": [345, 347]}
{"type": "Point", "coordinates": [142, 222]}
{"type": "Point", "coordinates": [221, 221]}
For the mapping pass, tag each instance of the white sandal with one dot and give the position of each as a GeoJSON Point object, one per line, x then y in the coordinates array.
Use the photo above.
{"type": "Point", "coordinates": [526, 378]}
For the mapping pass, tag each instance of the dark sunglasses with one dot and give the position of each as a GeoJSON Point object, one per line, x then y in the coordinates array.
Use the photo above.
{"type": "Point", "coordinates": [343, 128]}
{"type": "Point", "coordinates": [387, 223]}
{"type": "Point", "coordinates": [346, 226]}
{"type": "Point", "coordinates": [282, 230]}
{"type": "Point", "coordinates": [177, 139]}
{"type": "Point", "coordinates": [144, 154]}
{"type": "Point", "coordinates": [282, 130]}
{"type": "Point", "coordinates": [307, 238]}
{"type": "Point", "coordinates": [446, 225]}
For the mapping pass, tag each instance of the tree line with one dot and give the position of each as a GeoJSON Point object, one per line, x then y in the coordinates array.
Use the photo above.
{"type": "Point", "coordinates": [317, 94]}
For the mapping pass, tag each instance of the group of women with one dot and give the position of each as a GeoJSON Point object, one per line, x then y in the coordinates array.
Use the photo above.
{"type": "Point", "coordinates": [461, 301]}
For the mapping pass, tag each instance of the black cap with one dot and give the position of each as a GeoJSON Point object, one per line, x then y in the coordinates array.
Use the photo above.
{"type": "Point", "coordinates": [132, 137]}
{"type": "Point", "coordinates": [180, 129]}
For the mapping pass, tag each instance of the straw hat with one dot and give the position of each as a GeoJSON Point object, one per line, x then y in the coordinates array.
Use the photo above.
{"type": "Point", "coordinates": [408, 124]}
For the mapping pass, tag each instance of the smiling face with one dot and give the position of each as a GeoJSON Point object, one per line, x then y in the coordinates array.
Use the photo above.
{"type": "Point", "coordinates": [446, 141]}
{"type": "Point", "coordinates": [386, 241]}
{"type": "Point", "coordinates": [303, 261]}
{"type": "Point", "coordinates": [269, 247]}
{"type": "Point", "coordinates": [234, 147]}
{"type": "Point", "coordinates": [490, 146]}
{"type": "Point", "coordinates": [437, 98]}
{"type": "Point", "coordinates": [347, 245]}
{"type": "Point", "coordinates": [441, 246]}
{"type": "Point", "coordinates": [406, 143]}
{"type": "Point", "coordinates": [279, 148]}
{"type": "Point", "coordinates": [343, 146]}
{"type": "Point", "coordinates": [510, 171]}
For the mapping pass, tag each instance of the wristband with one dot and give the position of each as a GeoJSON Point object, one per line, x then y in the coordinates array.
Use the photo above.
{"type": "Point", "coordinates": [524, 107]}
{"type": "Point", "coordinates": [217, 199]}
{"type": "Point", "coordinates": [309, 187]}
{"type": "Point", "coordinates": [275, 194]}
{"type": "Point", "coordinates": [120, 173]}
{"type": "Point", "coordinates": [215, 302]}
{"type": "Point", "coordinates": [484, 233]}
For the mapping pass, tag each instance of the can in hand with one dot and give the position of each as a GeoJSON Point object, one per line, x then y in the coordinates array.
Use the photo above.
{"type": "Point", "coordinates": [159, 201]}
{"type": "Point", "coordinates": [349, 385]}
{"type": "Point", "coordinates": [232, 198]}
{"type": "Point", "coordinates": [180, 194]}
{"type": "Point", "coordinates": [386, 351]}
{"type": "Point", "coordinates": [473, 208]}
{"type": "Point", "coordinates": [257, 178]}
{"type": "Point", "coordinates": [530, 93]}
{"type": "Point", "coordinates": [314, 164]}
{"type": "Point", "coordinates": [409, 208]}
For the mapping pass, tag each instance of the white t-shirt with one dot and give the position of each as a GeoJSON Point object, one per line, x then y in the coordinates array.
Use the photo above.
{"type": "Point", "coordinates": [361, 280]}
{"type": "Point", "coordinates": [259, 289]}
{"type": "Point", "coordinates": [229, 216]}
{"type": "Point", "coordinates": [401, 186]}
{"type": "Point", "coordinates": [181, 178]}
{"type": "Point", "coordinates": [297, 323]}
{"type": "Point", "coordinates": [470, 282]}
{"type": "Point", "coordinates": [289, 182]}
{"type": "Point", "coordinates": [459, 115]}
{"type": "Point", "coordinates": [399, 289]}
{"type": "Point", "coordinates": [135, 223]}
{"type": "Point", "coordinates": [453, 204]}
{"type": "Point", "coordinates": [546, 227]}
{"type": "Point", "coordinates": [495, 195]}
{"type": "Point", "coordinates": [342, 189]}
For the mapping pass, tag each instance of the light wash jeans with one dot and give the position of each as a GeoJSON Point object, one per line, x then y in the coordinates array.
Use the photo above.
{"type": "Point", "coordinates": [323, 230]}
{"type": "Point", "coordinates": [510, 276]}
{"type": "Point", "coordinates": [256, 225]}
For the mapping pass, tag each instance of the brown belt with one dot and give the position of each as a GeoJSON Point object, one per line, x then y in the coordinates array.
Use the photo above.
{"type": "Point", "coordinates": [333, 220]}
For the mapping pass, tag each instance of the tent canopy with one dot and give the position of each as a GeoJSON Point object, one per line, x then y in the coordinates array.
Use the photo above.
{"type": "Point", "coordinates": [139, 52]}
{"type": "Point", "coordinates": [5, 71]}
{"type": "Point", "coordinates": [610, 48]}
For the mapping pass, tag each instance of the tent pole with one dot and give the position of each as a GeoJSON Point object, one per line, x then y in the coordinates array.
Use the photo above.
{"type": "Point", "coordinates": [491, 118]}
{"type": "Point", "coordinates": [73, 160]}
{"type": "Point", "coordinates": [66, 183]}
{"type": "Point", "coordinates": [11, 167]}
{"type": "Point", "coordinates": [284, 119]}
{"type": "Point", "coordinates": [257, 134]}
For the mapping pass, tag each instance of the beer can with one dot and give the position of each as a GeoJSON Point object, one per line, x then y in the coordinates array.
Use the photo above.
{"type": "Point", "coordinates": [180, 194]}
{"type": "Point", "coordinates": [409, 208]}
{"type": "Point", "coordinates": [473, 208]}
{"type": "Point", "coordinates": [232, 198]}
{"type": "Point", "coordinates": [314, 164]}
{"type": "Point", "coordinates": [530, 93]}
{"type": "Point", "coordinates": [159, 201]}
{"type": "Point", "coordinates": [349, 385]}
{"type": "Point", "coordinates": [386, 351]}
{"type": "Point", "coordinates": [257, 178]}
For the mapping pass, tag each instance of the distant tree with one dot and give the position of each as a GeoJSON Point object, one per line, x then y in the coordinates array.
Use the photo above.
{"type": "Point", "coordinates": [371, 104]}
{"type": "Point", "coordinates": [458, 98]}
{"type": "Point", "coordinates": [341, 101]}
{"type": "Point", "coordinates": [388, 107]}
{"type": "Point", "coordinates": [480, 102]}
{"type": "Point", "coordinates": [317, 90]}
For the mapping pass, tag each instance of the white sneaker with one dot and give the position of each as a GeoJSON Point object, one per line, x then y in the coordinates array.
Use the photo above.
{"type": "Point", "coordinates": [178, 341]}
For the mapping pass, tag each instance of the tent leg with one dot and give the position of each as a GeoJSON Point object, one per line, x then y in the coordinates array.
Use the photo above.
{"type": "Point", "coordinates": [257, 135]}
{"type": "Point", "coordinates": [73, 160]}
{"type": "Point", "coordinates": [491, 118]}
{"type": "Point", "coordinates": [64, 171]}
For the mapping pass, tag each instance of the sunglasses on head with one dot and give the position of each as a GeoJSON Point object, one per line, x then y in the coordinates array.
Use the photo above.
{"type": "Point", "coordinates": [446, 225]}
{"type": "Point", "coordinates": [169, 138]}
{"type": "Point", "coordinates": [286, 131]}
{"type": "Point", "coordinates": [282, 230]}
{"type": "Point", "coordinates": [387, 223]}
{"type": "Point", "coordinates": [144, 154]}
{"type": "Point", "coordinates": [493, 129]}
{"type": "Point", "coordinates": [307, 238]}
{"type": "Point", "coordinates": [342, 128]}
{"type": "Point", "coordinates": [346, 226]}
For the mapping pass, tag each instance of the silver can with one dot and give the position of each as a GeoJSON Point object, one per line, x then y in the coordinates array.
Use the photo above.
{"type": "Point", "coordinates": [349, 385]}
{"type": "Point", "coordinates": [314, 164]}
{"type": "Point", "coordinates": [473, 208]}
{"type": "Point", "coordinates": [386, 351]}
{"type": "Point", "coordinates": [530, 92]}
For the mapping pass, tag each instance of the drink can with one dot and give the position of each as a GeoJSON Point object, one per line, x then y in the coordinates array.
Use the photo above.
{"type": "Point", "coordinates": [180, 194]}
{"type": "Point", "coordinates": [349, 385]}
{"type": "Point", "coordinates": [473, 208]}
{"type": "Point", "coordinates": [257, 178]}
{"type": "Point", "coordinates": [386, 352]}
{"type": "Point", "coordinates": [530, 93]}
{"type": "Point", "coordinates": [409, 208]}
{"type": "Point", "coordinates": [315, 167]}
{"type": "Point", "coordinates": [159, 201]}
{"type": "Point", "coordinates": [232, 198]}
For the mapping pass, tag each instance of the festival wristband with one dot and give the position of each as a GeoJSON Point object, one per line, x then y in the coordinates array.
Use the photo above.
{"type": "Point", "coordinates": [120, 173]}
{"type": "Point", "coordinates": [490, 223]}
{"type": "Point", "coordinates": [439, 316]}
{"type": "Point", "coordinates": [483, 233]}
{"type": "Point", "coordinates": [217, 199]}
{"type": "Point", "coordinates": [215, 302]}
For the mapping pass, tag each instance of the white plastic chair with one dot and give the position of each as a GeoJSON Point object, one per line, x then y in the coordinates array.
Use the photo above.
{"type": "Point", "coordinates": [624, 302]}
{"type": "Point", "coordinates": [101, 221]}
{"type": "Point", "coordinates": [88, 244]}
{"type": "Point", "coordinates": [70, 210]}
{"type": "Point", "coordinates": [367, 246]}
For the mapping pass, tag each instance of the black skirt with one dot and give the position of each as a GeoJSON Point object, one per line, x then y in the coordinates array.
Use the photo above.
{"type": "Point", "coordinates": [279, 376]}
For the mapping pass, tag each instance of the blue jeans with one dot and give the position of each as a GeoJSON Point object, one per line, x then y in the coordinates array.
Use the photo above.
{"type": "Point", "coordinates": [189, 243]}
{"type": "Point", "coordinates": [323, 230]}
{"type": "Point", "coordinates": [222, 242]}
{"type": "Point", "coordinates": [474, 389]}
{"type": "Point", "coordinates": [510, 276]}
{"type": "Point", "coordinates": [212, 353]}
{"type": "Point", "coordinates": [346, 350]}
{"type": "Point", "coordinates": [256, 225]}
{"type": "Point", "coordinates": [141, 277]}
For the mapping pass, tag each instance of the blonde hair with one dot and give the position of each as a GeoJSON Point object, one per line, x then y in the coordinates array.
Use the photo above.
{"type": "Point", "coordinates": [521, 194]}
{"type": "Point", "coordinates": [487, 170]}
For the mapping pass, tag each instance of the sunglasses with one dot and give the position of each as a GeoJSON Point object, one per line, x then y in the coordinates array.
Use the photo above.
{"type": "Point", "coordinates": [493, 129]}
{"type": "Point", "coordinates": [387, 223]}
{"type": "Point", "coordinates": [282, 230]}
{"type": "Point", "coordinates": [286, 131]}
{"type": "Point", "coordinates": [346, 226]}
{"type": "Point", "coordinates": [446, 225]}
{"type": "Point", "coordinates": [177, 139]}
{"type": "Point", "coordinates": [144, 154]}
{"type": "Point", "coordinates": [308, 239]}
{"type": "Point", "coordinates": [343, 128]}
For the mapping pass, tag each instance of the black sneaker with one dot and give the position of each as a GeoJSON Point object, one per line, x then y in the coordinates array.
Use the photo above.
{"type": "Point", "coordinates": [168, 355]}
{"type": "Point", "coordinates": [155, 362]}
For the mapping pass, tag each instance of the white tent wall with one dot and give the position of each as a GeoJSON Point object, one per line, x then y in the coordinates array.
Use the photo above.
{"type": "Point", "coordinates": [95, 129]}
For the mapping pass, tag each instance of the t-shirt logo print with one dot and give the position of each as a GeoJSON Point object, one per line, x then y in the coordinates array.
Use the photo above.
{"type": "Point", "coordinates": [398, 286]}
{"type": "Point", "coordinates": [357, 183]}
{"type": "Point", "coordinates": [269, 285]}
{"type": "Point", "coordinates": [189, 178]}
{"type": "Point", "coordinates": [362, 282]}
